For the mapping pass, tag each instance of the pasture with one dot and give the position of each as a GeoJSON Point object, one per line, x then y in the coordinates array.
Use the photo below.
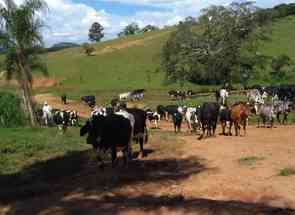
{"type": "Point", "coordinates": [43, 171]}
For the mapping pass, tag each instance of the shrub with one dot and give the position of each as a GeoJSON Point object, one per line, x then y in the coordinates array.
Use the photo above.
{"type": "Point", "coordinates": [11, 113]}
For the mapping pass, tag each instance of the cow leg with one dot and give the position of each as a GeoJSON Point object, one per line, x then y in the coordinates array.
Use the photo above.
{"type": "Point", "coordinates": [278, 118]}
{"type": "Point", "coordinates": [285, 119]}
{"type": "Point", "coordinates": [141, 141]}
{"type": "Point", "coordinates": [203, 132]}
{"type": "Point", "coordinates": [244, 126]}
{"type": "Point", "coordinates": [230, 126]}
{"type": "Point", "coordinates": [214, 127]}
{"type": "Point", "coordinates": [236, 128]}
{"type": "Point", "coordinates": [223, 127]}
{"type": "Point", "coordinates": [114, 157]}
{"type": "Point", "coordinates": [126, 155]}
{"type": "Point", "coordinates": [166, 116]}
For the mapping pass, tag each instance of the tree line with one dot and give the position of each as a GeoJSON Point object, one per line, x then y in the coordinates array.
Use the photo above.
{"type": "Point", "coordinates": [222, 46]}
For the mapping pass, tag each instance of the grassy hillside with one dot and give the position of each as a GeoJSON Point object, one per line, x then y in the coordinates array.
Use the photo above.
{"type": "Point", "coordinates": [118, 64]}
{"type": "Point", "coordinates": [125, 63]}
{"type": "Point", "coordinates": [134, 62]}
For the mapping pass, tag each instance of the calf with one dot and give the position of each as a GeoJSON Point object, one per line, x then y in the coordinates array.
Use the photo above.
{"type": "Point", "coordinates": [282, 108]}
{"type": "Point", "coordinates": [177, 121]}
{"type": "Point", "coordinates": [265, 113]}
{"type": "Point", "coordinates": [239, 114]}
{"type": "Point", "coordinates": [154, 118]}
{"type": "Point", "coordinates": [109, 132]}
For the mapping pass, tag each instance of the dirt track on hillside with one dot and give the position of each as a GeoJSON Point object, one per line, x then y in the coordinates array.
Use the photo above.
{"type": "Point", "coordinates": [183, 175]}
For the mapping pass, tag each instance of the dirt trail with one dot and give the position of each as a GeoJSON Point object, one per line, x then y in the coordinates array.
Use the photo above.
{"type": "Point", "coordinates": [183, 175]}
{"type": "Point", "coordinates": [38, 82]}
{"type": "Point", "coordinates": [126, 44]}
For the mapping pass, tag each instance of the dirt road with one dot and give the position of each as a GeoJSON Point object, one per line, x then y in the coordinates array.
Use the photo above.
{"type": "Point", "coordinates": [182, 175]}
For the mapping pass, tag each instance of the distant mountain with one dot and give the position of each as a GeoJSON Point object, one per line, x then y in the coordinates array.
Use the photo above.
{"type": "Point", "coordinates": [61, 46]}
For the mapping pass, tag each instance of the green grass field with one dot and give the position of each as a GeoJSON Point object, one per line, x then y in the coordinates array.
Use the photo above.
{"type": "Point", "coordinates": [134, 62]}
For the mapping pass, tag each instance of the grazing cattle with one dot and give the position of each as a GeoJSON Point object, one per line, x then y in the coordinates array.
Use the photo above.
{"type": "Point", "coordinates": [282, 108]}
{"type": "Point", "coordinates": [208, 117]}
{"type": "Point", "coordinates": [177, 121]}
{"type": "Point", "coordinates": [225, 119]}
{"type": "Point", "coordinates": [125, 96]}
{"type": "Point", "coordinates": [64, 99]}
{"type": "Point", "coordinates": [239, 115]}
{"type": "Point", "coordinates": [109, 132]}
{"type": "Point", "coordinates": [177, 94]}
{"type": "Point", "coordinates": [137, 95]}
{"type": "Point", "coordinates": [89, 100]}
{"type": "Point", "coordinates": [266, 113]}
{"type": "Point", "coordinates": [153, 118]}
{"type": "Point", "coordinates": [191, 117]}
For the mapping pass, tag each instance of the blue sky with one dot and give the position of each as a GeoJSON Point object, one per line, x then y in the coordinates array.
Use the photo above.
{"type": "Point", "coordinates": [69, 20]}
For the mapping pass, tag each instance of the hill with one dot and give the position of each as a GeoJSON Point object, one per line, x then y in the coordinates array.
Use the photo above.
{"type": "Point", "coordinates": [61, 46]}
{"type": "Point", "coordinates": [133, 62]}
{"type": "Point", "coordinates": [123, 63]}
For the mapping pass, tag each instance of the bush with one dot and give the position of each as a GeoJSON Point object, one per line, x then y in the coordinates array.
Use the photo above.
{"type": "Point", "coordinates": [11, 113]}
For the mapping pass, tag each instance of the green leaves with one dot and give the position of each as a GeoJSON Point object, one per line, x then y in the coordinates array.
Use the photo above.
{"type": "Point", "coordinates": [96, 32]}
{"type": "Point", "coordinates": [213, 54]}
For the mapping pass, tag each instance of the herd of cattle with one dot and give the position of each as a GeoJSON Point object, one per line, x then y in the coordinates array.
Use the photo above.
{"type": "Point", "coordinates": [114, 128]}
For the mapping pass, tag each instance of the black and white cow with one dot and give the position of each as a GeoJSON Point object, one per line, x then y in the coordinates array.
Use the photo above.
{"type": "Point", "coordinates": [153, 117]}
{"type": "Point", "coordinates": [112, 132]}
{"type": "Point", "coordinates": [137, 95]}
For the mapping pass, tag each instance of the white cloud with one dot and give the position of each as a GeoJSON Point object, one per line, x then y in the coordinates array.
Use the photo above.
{"type": "Point", "coordinates": [69, 21]}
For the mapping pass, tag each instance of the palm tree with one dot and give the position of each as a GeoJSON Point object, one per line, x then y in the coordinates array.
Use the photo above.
{"type": "Point", "coordinates": [21, 39]}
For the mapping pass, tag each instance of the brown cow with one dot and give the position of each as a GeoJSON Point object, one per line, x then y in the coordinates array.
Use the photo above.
{"type": "Point", "coordinates": [239, 116]}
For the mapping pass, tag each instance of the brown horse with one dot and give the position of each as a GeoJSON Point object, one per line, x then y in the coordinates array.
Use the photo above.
{"type": "Point", "coordinates": [239, 116]}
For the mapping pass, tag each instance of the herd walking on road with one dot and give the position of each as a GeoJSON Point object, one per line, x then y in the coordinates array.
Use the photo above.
{"type": "Point", "coordinates": [114, 128]}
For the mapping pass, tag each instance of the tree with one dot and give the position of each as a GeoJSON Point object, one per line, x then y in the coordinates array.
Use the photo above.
{"type": "Point", "coordinates": [279, 66]}
{"type": "Point", "coordinates": [96, 32]}
{"type": "Point", "coordinates": [149, 28]}
{"type": "Point", "coordinates": [20, 37]}
{"type": "Point", "coordinates": [130, 29]}
{"type": "Point", "coordinates": [214, 54]}
{"type": "Point", "coordinates": [88, 49]}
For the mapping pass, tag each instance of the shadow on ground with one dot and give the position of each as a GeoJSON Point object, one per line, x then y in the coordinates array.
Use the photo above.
{"type": "Point", "coordinates": [78, 171]}
{"type": "Point", "coordinates": [150, 205]}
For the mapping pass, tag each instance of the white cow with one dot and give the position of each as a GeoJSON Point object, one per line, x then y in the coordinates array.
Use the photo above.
{"type": "Point", "coordinates": [191, 118]}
